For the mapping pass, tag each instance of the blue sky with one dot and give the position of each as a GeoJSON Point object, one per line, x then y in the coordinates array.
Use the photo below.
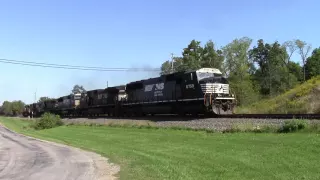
{"type": "Point", "coordinates": [129, 34]}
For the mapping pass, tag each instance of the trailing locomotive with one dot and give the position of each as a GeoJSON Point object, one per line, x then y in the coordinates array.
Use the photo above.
{"type": "Point", "coordinates": [203, 91]}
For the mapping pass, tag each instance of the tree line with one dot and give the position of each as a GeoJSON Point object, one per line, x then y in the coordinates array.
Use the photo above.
{"type": "Point", "coordinates": [16, 108]}
{"type": "Point", "coordinates": [262, 71]}
{"type": "Point", "coordinates": [13, 108]}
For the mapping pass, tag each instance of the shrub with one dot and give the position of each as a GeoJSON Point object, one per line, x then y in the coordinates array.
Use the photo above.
{"type": "Point", "coordinates": [48, 121]}
{"type": "Point", "coordinates": [293, 125]}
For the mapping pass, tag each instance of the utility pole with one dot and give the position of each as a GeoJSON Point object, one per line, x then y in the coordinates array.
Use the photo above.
{"type": "Point", "coordinates": [171, 62]}
{"type": "Point", "coordinates": [107, 84]}
{"type": "Point", "coordinates": [35, 96]}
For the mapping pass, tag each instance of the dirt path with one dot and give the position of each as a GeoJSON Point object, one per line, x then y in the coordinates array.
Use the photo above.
{"type": "Point", "coordinates": [24, 158]}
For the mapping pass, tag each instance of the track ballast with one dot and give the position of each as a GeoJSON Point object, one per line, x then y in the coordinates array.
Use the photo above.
{"type": "Point", "coordinates": [191, 117]}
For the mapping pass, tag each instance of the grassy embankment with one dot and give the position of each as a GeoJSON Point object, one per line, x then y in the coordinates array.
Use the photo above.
{"type": "Point", "coordinates": [304, 98]}
{"type": "Point", "coordinates": [180, 154]}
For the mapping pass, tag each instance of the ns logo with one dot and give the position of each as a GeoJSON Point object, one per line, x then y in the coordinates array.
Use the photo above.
{"type": "Point", "coordinates": [149, 87]}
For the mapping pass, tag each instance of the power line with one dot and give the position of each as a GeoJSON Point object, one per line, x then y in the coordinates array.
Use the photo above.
{"type": "Point", "coordinates": [61, 65]}
{"type": "Point", "coordinates": [64, 66]}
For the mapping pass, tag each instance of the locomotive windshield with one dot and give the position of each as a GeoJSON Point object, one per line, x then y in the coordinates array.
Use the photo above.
{"type": "Point", "coordinates": [211, 78]}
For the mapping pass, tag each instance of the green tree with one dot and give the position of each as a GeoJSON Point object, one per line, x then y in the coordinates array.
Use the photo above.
{"type": "Point", "coordinates": [7, 108]}
{"type": "Point", "coordinates": [78, 89]}
{"type": "Point", "coordinates": [295, 71]}
{"type": "Point", "coordinates": [312, 66]}
{"type": "Point", "coordinates": [273, 72]}
{"type": "Point", "coordinates": [166, 68]}
{"type": "Point", "coordinates": [237, 66]}
{"type": "Point", "coordinates": [211, 57]}
{"type": "Point", "coordinates": [172, 66]}
{"type": "Point", "coordinates": [290, 47]}
{"type": "Point", "coordinates": [17, 107]}
{"type": "Point", "coordinates": [260, 55]}
{"type": "Point", "coordinates": [192, 56]}
{"type": "Point", "coordinates": [304, 50]}
{"type": "Point", "coordinates": [13, 108]}
{"type": "Point", "coordinates": [279, 71]}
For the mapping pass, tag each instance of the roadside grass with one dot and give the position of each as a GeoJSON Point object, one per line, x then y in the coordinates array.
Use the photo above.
{"type": "Point", "coordinates": [156, 153]}
{"type": "Point", "coordinates": [305, 98]}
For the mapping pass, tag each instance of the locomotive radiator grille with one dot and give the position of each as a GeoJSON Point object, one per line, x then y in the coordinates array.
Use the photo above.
{"type": "Point", "coordinates": [215, 88]}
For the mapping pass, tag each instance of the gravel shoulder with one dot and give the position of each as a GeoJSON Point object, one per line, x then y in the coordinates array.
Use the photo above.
{"type": "Point", "coordinates": [26, 158]}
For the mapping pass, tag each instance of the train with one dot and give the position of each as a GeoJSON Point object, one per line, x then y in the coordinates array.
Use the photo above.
{"type": "Point", "coordinates": [202, 91]}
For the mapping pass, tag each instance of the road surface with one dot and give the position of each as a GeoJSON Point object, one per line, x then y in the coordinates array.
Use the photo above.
{"type": "Point", "coordinates": [24, 158]}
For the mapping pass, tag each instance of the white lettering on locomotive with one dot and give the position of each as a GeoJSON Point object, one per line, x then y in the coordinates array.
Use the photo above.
{"type": "Point", "coordinates": [190, 86]}
{"type": "Point", "coordinates": [157, 90]}
{"type": "Point", "coordinates": [148, 87]}
{"type": "Point", "coordinates": [159, 86]}
{"type": "Point", "coordinates": [158, 93]}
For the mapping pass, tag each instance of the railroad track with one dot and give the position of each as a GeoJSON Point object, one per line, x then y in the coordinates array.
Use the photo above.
{"type": "Point", "coordinates": [169, 117]}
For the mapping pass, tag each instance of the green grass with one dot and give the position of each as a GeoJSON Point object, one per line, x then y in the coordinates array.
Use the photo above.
{"type": "Point", "coordinates": [181, 154]}
{"type": "Point", "coordinates": [305, 98]}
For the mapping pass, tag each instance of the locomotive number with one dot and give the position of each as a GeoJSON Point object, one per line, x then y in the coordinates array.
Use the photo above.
{"type": "Point", "coordinates": [190, 86]}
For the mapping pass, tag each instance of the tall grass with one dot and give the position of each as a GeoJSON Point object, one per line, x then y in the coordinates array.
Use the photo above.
{"type": "Point", "coordinates": [288, 126]}
{"type": "Point", "coordinates": [301, 99]}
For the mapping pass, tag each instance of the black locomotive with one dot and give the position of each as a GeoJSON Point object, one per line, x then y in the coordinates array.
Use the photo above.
{"type": "Point", "coordinates": [204, 91]}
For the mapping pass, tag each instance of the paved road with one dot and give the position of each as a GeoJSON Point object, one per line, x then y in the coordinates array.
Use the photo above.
{"type": "Point", "coordinates": [23, 158]}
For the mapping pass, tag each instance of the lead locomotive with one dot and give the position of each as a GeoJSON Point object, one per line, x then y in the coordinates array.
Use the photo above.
{"type": "Point", "coordinates": [204, 91]}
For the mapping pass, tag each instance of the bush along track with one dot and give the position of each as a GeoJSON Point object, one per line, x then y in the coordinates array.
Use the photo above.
{"type": "Point", "coordinates": [47, 121]}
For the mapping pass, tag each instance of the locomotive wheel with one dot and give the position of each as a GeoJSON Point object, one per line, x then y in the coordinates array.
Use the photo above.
{"type": "Point", "coordinates": [222, 109]}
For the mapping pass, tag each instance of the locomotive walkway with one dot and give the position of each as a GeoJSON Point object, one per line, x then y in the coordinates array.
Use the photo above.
{"type": "Point", "coordinates": [23, 158]}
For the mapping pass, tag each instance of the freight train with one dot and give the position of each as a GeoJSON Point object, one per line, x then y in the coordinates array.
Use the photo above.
{"type": "Point", "coordinates": [202, 91]}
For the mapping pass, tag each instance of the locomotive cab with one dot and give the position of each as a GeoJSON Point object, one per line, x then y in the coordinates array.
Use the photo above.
{"type": "Point", "coordinates": [216, 91]}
